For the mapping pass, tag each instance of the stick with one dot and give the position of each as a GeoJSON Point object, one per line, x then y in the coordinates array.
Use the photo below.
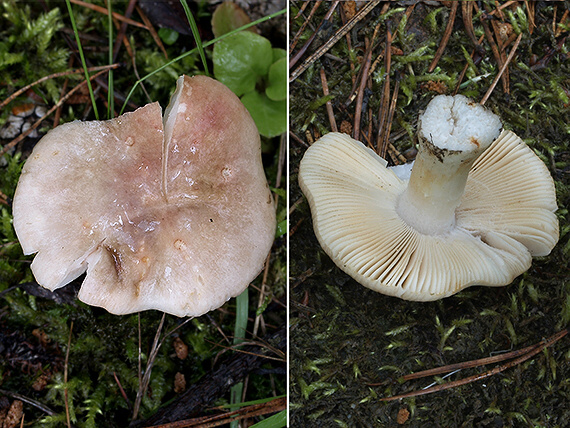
{"type": "Point", "coordinates": [330, 111]}
{"type": "Point", "coordinates": [216, 383]}
{"type": "Point", "coordinates": [143, 385]}
{"type": "Point", "coordinates": [30, 401]}
{"type": "Point", "coordinates": [273, 406]}
{"type": "Point", "coordinates": [65, 366]}
{"type": "Point", "coordinates": [446, 35]}
{"type": "Point", "coordinates": [308, 43]}
{"type": "Point", "coordinates": [503, 68]}
{"type": "Point", "coordinates": [535, 350]}
{"type": "Point", "coordinates": [51, 76]}
{"type": "Point", "coordinates": [366, 9]}
{"type": "Point", "coordinates": [384, 102]}
{"type": "Point", "coordinates": [50, 111]}
{"type": "Point", "coordinates": [360, 96]}
{"type": "Point", "coordinates": [104, 11]}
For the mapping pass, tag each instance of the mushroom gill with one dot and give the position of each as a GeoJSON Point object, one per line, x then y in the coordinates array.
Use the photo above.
{"type": "Point", "coordinates": [473, 212]}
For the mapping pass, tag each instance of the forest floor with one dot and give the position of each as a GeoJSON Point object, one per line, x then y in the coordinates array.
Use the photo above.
{"type": "Point", "coordinates": [350, 346]}
{"type": "Point", "coordinates": [62, 362]}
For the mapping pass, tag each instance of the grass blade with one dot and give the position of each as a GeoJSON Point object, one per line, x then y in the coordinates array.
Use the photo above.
{"type": "Point", "coordinates": [196, 34]}
{"type": "Point", "coordinates": [278, 420]}
{"type": "Point", "coordinates": [83, 63]}
{"type": "Point", "coordinates": [111, 91]}
{"type": "Point", "coordinates": [242, 310]}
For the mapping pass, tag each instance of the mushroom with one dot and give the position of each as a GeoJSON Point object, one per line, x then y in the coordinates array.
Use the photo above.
{"type": "Point", "coordinates": [475, 210]}
{"type": "Point", "coordinates": [171, 214]}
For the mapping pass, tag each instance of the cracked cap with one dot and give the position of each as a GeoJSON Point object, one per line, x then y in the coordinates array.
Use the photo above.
{"type": "Point", "coordinates": [177, 218]}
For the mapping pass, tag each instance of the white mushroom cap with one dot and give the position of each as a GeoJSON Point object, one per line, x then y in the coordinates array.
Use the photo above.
{"type": "Point", "coordinates": [505, 216]}
{"type": "Point", "coordinates": [178, 220]}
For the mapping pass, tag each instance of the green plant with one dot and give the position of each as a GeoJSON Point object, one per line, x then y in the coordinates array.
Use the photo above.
{"type": "Point", "coordinates": [104, 350]}
{"type": "Point", "coordinates": [27, 51]}
{"type": "Point", "coordinates": [247, 64]}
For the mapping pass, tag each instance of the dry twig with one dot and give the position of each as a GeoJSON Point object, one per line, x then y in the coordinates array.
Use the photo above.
{"type": "Point", "coordinates": [273, 406]}
{"type": "Point", "coordinates": [525, 354]}
{"type": "Point", "coordinates": [326, 93]}
{"type": "Point", "coordinates": [304, 25]}
{"type": "Point", "coordinates": [360, 96]}
{"type": "Point", "coordinates": [308, 43]}
{"type": "Point", "coordinates": [3, 198]}
{"type": "Point", "coordinates": [152, 31]}
{"type": "Point", "coordinates": [65, 370]}
{"type": "Point", "coordinates": [302, 8]}
{"type": "Point", "coordinates": [105, 12]}
{"type": "Point", "coordinates": [297, 139]}
{"type": "Point", "coordinates": [384, 100]}
{"type": "Point", "coordinates": [145, 380]}
{"type": "Point", "coordinates": [462, 75]}
{"type": "Point", "coordinates": [30, 401]}
{"type": "Point", "coordinates": [388, 128]}
{"type": "Point", "coordinates": [123, 393]}
{"type": "Point", "coordinates": [366, 9]}
{"type": "Point", "coordinates": [446, 36]}
{"type": "Point", "coordinates": [467, 14]}
{"type": "Point", "coordinates": [123, 30]}
{"type": "Point", "coordinates": [530, 9]}
{"type": "Point", "coordinates": [494, 49]}
{"type": "Point", "coordinates": [503, 68]}
{"type": "Point", "coordinates": [53, 76]}
{"type": "Point", "coordinates": [501, 7]}
{"type": "Point", "coordinates": [50, 111]}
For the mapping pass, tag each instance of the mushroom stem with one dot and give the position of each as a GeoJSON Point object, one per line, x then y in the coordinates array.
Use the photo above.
{"type": "Point", "coordinates": [453, 132]}
{"type": "Point", "coordinates": [435, 188]}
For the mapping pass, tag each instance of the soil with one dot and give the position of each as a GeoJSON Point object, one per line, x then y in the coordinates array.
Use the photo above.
{"type": "Point", "coordinates": [350, 345]}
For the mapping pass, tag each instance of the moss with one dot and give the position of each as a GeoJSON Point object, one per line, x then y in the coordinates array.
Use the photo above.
{"type": "Point", "coordinates": [349, 347]}
{"type": "Point", "coordinates": [104, 349]}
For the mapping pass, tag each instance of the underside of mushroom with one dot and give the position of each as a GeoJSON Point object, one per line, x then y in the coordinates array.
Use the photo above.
{"type": "Point", "coordinates": [474, 211]}
{"type": "Point", "coordinates": [171, 214]}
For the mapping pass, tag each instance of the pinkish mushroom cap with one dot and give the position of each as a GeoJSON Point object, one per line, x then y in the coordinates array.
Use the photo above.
{"type": "Point", "coordinates": [176, 217]}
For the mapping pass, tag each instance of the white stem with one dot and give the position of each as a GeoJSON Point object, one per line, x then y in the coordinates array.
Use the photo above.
{"type": "Point", "coordinates": [453, 132]}
{"type": "Point", "coordinates": [436, 186]}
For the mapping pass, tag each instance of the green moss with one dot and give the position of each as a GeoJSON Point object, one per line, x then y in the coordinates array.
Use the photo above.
{"type": "Point", "coordinates": [385, 337]}
{"type": "Point", "coordinates": [27, 51]}
{"type": "Point", "coordinates": [104, 349]}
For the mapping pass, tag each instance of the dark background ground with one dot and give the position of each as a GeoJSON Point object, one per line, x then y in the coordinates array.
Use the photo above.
{"type": "Point", "coordinates": [344, 336]}
{"type": "Point", "coordinates": [98, 384]}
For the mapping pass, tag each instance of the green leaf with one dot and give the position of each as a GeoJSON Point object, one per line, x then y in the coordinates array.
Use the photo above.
{"type": "Point", "coordinates": [192, 52]}
{"type": "Point", "coordinates": [281, 192]}
{"type": "Point", "coordinates": [277, 88]}
{"type": "Point", "coordinates": [168, 36]}
{"type": "Point", "coordinates": [269, 116]}
{"type": "Point", "coordinates": [281, 228]}
{"type": "Point", "coordinates": [278, 420]}
{"type": "Point", "coordinates": [279, 53]}
{"type": "Point", "coordinates": [241, 59]}
{"type": "Point", "coordinates": [227, 17]}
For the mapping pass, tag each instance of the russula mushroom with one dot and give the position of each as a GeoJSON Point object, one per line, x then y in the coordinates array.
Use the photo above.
{"type": "Point", "coordinates": [478, 205]}
{"type": "Point", "coordinates": [172, 214]}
